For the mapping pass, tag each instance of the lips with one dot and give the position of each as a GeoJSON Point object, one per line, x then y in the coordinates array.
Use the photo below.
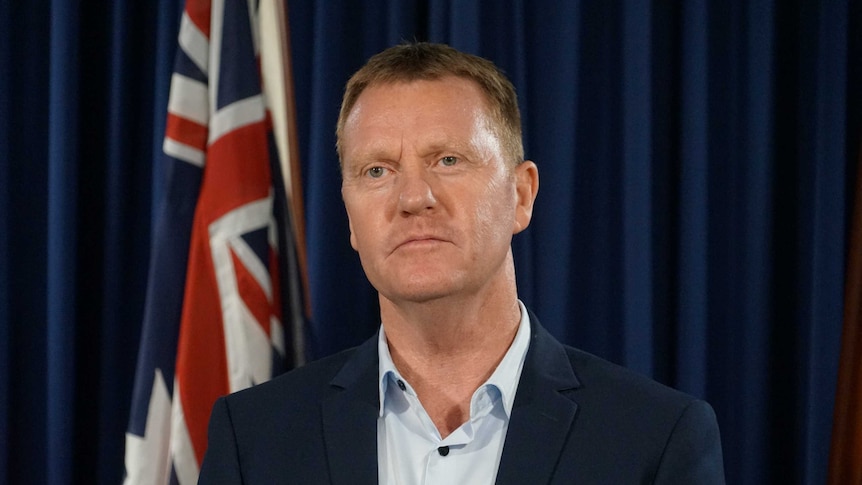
{"type": "Point", "coordinates": [419, 241]}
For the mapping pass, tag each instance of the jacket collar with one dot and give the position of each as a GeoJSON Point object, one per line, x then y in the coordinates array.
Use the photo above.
{"type": "Point", "coordinates": [543, 414]}
{"type": "Point", "coordinates": [541, 419]}
{"type": "Point", "coordinates": [350, 419]}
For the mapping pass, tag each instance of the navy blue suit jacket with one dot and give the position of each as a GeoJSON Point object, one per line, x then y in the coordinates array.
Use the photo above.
{"type": "Point", "coordinates": [576, 419]}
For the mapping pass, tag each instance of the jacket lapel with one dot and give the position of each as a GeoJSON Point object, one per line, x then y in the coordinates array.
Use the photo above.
{"type": "Point", "coordinates": [542, 415]}
{"type": "Point", "coordinates": [350, 420]}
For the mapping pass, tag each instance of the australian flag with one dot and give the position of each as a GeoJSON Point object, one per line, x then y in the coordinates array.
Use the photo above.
{"type": "Point", "coordinates": [214, 320]}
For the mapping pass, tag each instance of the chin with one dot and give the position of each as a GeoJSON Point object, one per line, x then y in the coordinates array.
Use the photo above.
{"type": "Point", "coordinates": [421, 283]}
{"type": "Point", "coordinates": [419, 292]}
{"type": "Point", "coordinates": [418, 295]}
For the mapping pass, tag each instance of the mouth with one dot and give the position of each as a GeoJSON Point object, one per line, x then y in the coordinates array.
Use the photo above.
{"type": "Point", "coordinates": [419, 242]}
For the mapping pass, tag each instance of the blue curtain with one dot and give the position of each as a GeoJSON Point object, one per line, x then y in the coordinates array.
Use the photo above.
{"type": "Point", "coordinates": [696, 164]}
{"type": "Point", "coordinates": [83, 93]}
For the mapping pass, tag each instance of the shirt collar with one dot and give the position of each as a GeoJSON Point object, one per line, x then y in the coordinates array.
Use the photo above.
{"type": "Point", "coordinates": [505, 377]}
{"type": "Point", "coordinates": [386, 368]}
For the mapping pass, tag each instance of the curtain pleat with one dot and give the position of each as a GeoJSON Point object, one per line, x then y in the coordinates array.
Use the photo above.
{"type": "Point", "coordinates": [751, 357]}
{"type": "Point", "coordinates": [637, 193]}
{"type": "Point", "coordinates": [825, 181]}
{"type": "Point", "coordinates": [61, 291]}
{"type": "Point", "coordinates": [694, 198]}
{"type": "Point", "coordinates": [5, 290]}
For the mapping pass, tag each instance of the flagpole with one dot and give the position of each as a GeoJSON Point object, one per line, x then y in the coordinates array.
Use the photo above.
{"type": "Point", "coordinates": [290, 162]}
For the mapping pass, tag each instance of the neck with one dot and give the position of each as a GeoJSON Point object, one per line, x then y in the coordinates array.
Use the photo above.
{"type": "Point", "coordinates": [449, 347]}
{"type": "Point", "coordinates": [452, 331]}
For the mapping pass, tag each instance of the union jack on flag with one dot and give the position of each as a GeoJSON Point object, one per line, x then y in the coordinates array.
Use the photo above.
{"type": "Point", "coordinates": [213, 321]}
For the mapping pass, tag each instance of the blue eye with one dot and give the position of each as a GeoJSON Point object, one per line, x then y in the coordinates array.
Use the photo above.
{"type": "Point", "coordinates": [448, 161]}
{"type": "Point", "coordinates": [376, 172]}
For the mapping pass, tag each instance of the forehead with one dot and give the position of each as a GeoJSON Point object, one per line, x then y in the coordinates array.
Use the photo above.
{"type": "Point", "coordinates": [448, 104]}
{"type": "Point", "coordinates": [449, 83]}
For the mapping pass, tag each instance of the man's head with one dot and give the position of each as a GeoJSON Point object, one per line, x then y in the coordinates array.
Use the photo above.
{"type": "Point", "coordinates": [426, 61]}
{"type": "Point", "coordinates": [432, 192]}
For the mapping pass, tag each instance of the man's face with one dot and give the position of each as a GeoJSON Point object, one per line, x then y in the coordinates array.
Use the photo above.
{"type": "Point", "coordinates": [432, 203]}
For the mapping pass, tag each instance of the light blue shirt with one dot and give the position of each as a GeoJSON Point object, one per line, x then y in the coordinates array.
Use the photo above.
{"type": "Point", "coordinates": [410, 450]}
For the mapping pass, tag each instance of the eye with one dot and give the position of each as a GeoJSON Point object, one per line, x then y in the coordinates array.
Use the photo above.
{"type": "Point", "coordinates": [448, 161]}
{"type": "Point", "coordinates": [376, 172]}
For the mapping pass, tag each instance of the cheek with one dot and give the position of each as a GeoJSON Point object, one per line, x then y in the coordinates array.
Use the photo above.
{"type": "Point", "coordinates": [355, 221]}
{"type": "Point", "coordinates": [358, 231]}
{"type": "Point", "coordinates": [353, 243]}
{"type": "Point", "coordinates": [494, 214]}
{"type": "Point", "coordinates": [367, 226]}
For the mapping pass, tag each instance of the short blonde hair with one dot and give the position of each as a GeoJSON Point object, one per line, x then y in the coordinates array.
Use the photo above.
{"type": "Point", "coordinates": [426, 61]}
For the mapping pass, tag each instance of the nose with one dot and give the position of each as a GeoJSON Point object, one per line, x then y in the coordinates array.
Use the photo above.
{"type": "Point", "coordinates": [416, 193]}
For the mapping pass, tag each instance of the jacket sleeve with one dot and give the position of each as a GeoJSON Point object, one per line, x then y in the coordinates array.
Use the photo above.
{"type": "Point", "coordinates": [692, 453]}
{"type": "Point", "coordinates": [221, 461]}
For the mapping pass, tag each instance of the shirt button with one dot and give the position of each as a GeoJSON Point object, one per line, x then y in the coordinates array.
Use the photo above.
{"type": "Point", "coordinates": [401, 385]}
{"type": "Point", "coordinates": [443, 450]}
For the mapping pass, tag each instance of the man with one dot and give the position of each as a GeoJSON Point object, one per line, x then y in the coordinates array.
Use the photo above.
{"type": "Point", "coordinates": [461, 385]}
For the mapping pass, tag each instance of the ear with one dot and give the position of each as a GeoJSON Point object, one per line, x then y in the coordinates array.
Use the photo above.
{"type": "Point", "coordinates": [526, 188]}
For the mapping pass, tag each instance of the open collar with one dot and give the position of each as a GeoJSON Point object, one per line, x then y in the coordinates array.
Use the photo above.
{"type": "Point", "coordinates": [542, 415]}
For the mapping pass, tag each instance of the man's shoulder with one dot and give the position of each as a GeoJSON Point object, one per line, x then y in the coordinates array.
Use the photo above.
{"type": "Point", "coordinates": [611, 391]}
{"type": "Point", "coordinates": [628, 425]}
{"type": "Point", "coordinates": [602, 376]}
{"type": "Point", "coordinates": [594, 378]}
{"type": "Point", "coordinates": [304, 385]}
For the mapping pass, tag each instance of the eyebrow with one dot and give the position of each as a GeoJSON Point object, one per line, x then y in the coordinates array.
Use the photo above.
{"type": "Point", "coordinates": [445, 144]}
{"type": "Point", "coordinates": [374, 150]}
